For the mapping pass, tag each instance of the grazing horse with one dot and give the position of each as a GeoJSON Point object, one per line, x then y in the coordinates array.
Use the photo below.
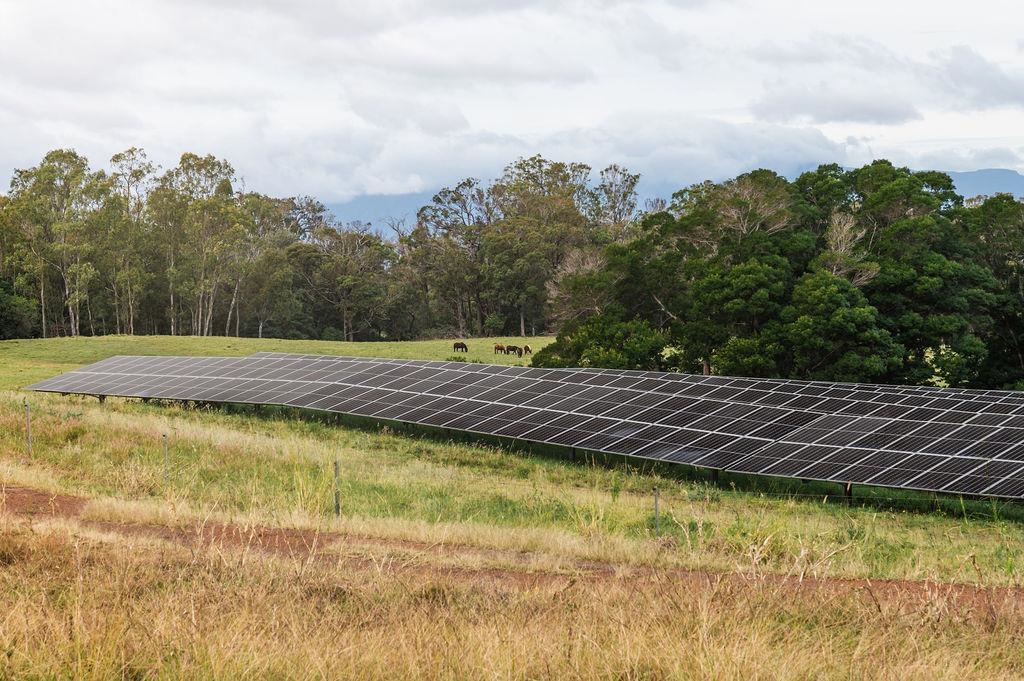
{"type": "Point", "coordinates": [499, 348]}
{"type": "Point", "coordinates": [513, 350]}
{"type": "Point", "coordinates": [460, 347]}
{"type": "Point", "coordinates": [527, 350]}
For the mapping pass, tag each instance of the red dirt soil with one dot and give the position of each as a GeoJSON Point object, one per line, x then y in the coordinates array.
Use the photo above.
{"type": "Point", "coordinates": [397, 555]}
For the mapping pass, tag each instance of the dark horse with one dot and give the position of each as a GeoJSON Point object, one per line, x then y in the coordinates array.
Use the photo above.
{"type": "Point", "coordinates": [499, 348]}
{"type": "Point", "coordinates": [513, 350]}
{"type": "Point", "coordinates": [460, 347]}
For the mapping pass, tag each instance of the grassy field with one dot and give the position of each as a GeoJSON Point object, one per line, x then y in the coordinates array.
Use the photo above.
{"type": "Point", "coordinates": [458, 560]}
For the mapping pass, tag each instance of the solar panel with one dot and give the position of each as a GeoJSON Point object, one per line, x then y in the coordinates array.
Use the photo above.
{"type": "Point", "coordinates": [969, 442]}
{"type": "Point", "coordinates": [674, 383]}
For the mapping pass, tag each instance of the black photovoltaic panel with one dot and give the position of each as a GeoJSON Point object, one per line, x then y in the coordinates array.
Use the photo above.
{"type": "Point", "coordinates": [959, 441]}
{"type": "Point", "coordinates": [912, 396]}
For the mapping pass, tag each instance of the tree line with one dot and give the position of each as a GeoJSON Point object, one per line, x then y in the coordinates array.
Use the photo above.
{"type": "Point", "coordinates": [877, 273]}
{"type": "Point", "coordinates": [133, 249]}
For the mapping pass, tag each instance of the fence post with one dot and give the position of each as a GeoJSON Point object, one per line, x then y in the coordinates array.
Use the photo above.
{"type": "Point", "coordinates": [167, 464]}
{"type": "Point", "coordinates": [337, 489]}
{"type": "Point", "coordinates": [657, 516]}
{"type": "Point", "coordinates": [28, 427]}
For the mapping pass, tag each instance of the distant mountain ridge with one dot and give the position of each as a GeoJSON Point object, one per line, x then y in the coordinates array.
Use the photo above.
{"type": "Point", "coordinates": [378, 208]}
{"type": "Point", "coordinates": [987, 182]}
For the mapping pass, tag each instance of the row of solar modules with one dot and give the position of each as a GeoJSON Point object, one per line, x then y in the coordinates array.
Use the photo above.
{"type": "Point", "coordinates": [817, 396]}
{"type": "Point", "coordinates": [965, 433]}
{"type": "Point", "coordinates": [969, 444]}
{"type": "Point", "coordinates": [774, 384]}
{"type": "Point", "coordinates": [845, 402]}
{"type": "Point", "coordinates": [806, 460]}
{"type": "Point", "coordinates": [828, 405]}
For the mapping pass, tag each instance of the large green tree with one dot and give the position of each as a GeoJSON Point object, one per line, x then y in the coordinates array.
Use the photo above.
{"type": "Point", "coordinates": [59, 206]}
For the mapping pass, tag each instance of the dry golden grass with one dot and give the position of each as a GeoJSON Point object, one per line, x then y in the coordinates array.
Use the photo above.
{"type": "Point", "coordinates": [79, 603]}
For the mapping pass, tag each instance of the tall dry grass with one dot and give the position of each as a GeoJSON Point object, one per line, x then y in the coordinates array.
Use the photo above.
{"type": "Point", "coordinates": [74, 603]}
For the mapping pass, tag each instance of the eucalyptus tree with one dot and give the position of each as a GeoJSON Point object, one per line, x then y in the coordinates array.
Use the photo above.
{"type": "Point", "coordinates": [128, 235]}
{"type": "Point", "coordinates": [266, 225]}
{"type": "Point", "coordinates": [56, 206]}
{"type": "Point", "coordinates": [447, 245]}
{"type": "Point", "coordinates": [196, 221]}
{"type": "Point", "coordinates": [272, 293]}
{"type": "Point", "coordinates": [18, 315]}
{"type": "Point", "coordinates": [344, 274]}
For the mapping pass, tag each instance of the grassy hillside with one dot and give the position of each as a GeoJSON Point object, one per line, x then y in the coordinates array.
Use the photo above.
{"type": "Point", "coordinates": [538, 566]}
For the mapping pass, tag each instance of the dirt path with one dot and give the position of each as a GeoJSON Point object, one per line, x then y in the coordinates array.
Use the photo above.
{"type": "Point", "coordinates": [509, 566]}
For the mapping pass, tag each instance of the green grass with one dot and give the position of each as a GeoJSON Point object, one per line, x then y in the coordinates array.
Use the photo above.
{"type": "Point", "coordinates": [275, 467]}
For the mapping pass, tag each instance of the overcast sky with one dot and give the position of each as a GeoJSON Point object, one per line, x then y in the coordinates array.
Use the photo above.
{"type": "Point", "coordinates": [342, 99]}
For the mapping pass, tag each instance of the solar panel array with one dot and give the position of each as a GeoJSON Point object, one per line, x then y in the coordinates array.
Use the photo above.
{"type": "Point", "coordinates": [935, 439]}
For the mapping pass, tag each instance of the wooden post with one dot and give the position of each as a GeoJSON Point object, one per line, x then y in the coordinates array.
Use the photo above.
{"type": "Point", "coordinates": [573, 451]}
{"type": "Point", "coordinates": [167, 464]}
{"type": "Point", "coordinates": [337, 489]}
{"type": "Point", "coordinates": [657, 516]}
{"type": "Point", "coordinates": [28, 427]}
{"type": "Point", "coordinates": [714, 476]}
{"type": "Point", "coordinates": [102, 398]}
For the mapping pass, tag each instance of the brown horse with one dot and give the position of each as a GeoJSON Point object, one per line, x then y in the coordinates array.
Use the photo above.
{"type": "Point", "coordinates": [513, 350]}
{"type": "Point", "coordinates": [460, 347]}
{"type": "Point", "coordinates": [527, 350]}
{"type": "Point", "coordinates": [500, 349]}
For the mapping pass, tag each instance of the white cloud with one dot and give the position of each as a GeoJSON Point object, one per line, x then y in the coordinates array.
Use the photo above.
{"type": "Point", "coordinates": [971, 80]}
{"type": "Point", "coordinates": [973, 159]}
{"type": "Point", "coordinates": [340, 99]}
{"type": "Point", "coordinates": [825, 103]}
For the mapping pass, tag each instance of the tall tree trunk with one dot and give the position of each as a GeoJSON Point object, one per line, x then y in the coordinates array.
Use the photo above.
{"type": "Point", "coordinates": [260, 330]}
{"type": "Point", "coordinates": [88, 307]}
{"type": "Point", "coordinates": [227, 321]}
{"type": "Point", "coordinates": [170, 288]}
{"type": "Point", "coordinates": [69, 303]}
{"type": "Point", "coordinates": [706, 366]}
{"type": "Point", "coordinates": [231, 307]}
{"type": "Point", "coordinates": [461, 318]}
{"type": "Point", "coordinates": [208, 326]}
{"type": "Point", "coordinates": [42, 302]}
{"type": "Point", "coordinates": [479, 314]}
{"type": "Point", "coordinates": [131, 309]}
{"type": "Point", "coordinates": [129, 304]}
{"type": "Point", "coordinates": [117, 305]}
{"type": "Point", "coordinates": [522, 320]}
